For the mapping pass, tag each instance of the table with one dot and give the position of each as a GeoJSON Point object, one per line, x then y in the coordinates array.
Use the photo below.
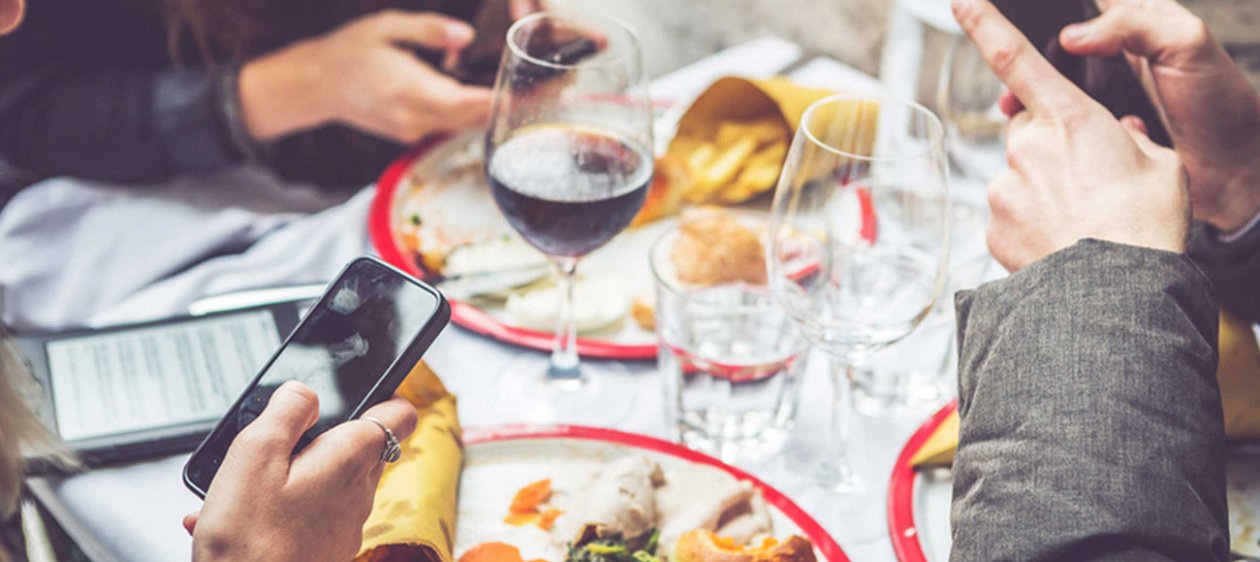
{"type": "Point", "coordinates": [134, 512]}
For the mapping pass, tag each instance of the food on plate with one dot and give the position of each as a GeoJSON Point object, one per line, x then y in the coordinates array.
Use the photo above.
{"type": "Point", "coordinates": [599, 302]}
{"type": "Point", "coordinates": [698, 497]}
{"type": "Point", "coordinates": [704, 546]}
{"type": "Point", "coordinates": [632, 509]}
{"type": "Point", "coordinates": [715, 248]}
{"type": "Point", "coordinates": [449, 182]}
{"type": "Point", "coordinates": [530, 506]}
{"type": "Point", "coordinates": [614, 550]}
{"type": "Point", "coordinates": [620, 501]}
{"type": "Point", "coordinates": [643, 313]}
{"type": "Point", "coordinates": [502, 253]}
{"type": "Point", "coordinates": [494, 552]}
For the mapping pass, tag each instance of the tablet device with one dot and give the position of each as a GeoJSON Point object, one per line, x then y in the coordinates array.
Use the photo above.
{"type": "Point", "coordinates": [129, 392]}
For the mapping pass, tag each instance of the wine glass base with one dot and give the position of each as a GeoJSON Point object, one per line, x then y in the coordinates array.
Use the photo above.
{"type": "Point", "coordinates": [530, 392]}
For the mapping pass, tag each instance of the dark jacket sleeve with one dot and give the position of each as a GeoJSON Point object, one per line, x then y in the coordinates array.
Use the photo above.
{"type": "Point", "coordinates": [1233, 267]}
{"type": "Point", "coordinates": [127, 125]}
{"type": "Point", "coordinates": [1091, 418]}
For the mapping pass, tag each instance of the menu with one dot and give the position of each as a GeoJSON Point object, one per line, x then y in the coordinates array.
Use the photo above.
{"type": "Point", "coordinates": [159, 376]}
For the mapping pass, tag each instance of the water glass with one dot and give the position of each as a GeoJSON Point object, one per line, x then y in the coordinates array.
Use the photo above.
{"type": "Point", "coordinates": [730, 359]}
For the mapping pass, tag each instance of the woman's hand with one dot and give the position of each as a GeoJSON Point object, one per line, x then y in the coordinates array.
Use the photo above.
{"type": "Point", "coordinates": [1213, 113]}
{"type": "Point", "coordinates": [364, 74]}
{"type": "Point", "coordinates": [264, 505]}
{"type": "Point", "coordinates": [1075, 172]}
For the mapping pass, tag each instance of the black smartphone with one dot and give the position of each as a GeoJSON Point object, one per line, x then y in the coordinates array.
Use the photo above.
{"type": "Point", "coordinates": [1110, 80]}
{"type": "Point", "coordinates": [479, 61]}
{"type": "Point", "coordinates": [353, 347]}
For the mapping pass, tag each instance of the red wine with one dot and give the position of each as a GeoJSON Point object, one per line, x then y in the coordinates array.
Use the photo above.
{"type": "Point", "coordinates": [568, 189]}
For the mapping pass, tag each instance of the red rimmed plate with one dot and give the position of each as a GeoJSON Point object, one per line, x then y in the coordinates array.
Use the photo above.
{"type": "Point", "coordinates": [918, 501]}
{"type": "Point", "coordinates": [530, 450]}
{"type": "Point", "coordinates": [382, 217]}
{"type": "Point", "coordinates": [903, 495]}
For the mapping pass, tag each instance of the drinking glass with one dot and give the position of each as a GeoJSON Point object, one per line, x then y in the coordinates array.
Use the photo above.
{"type": "Point", "coordinates": [967, 96]}
{"type": "Point", "coordinates": [568, 157]}
{"type": "Point", "coordinates": [730, 358]}
{"type": "Point", "coordinates": [859, 250]}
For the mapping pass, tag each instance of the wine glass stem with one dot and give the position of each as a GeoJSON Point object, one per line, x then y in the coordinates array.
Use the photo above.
{"type": "Point", "coordinates": [835, 472]}
{"type": "Point", "coordinates": [565, 364]}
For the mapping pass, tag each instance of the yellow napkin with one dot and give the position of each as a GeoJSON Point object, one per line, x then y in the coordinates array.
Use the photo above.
{"type": "Point", "coordinates": [1238, 374]}
{"type": "Point", "coordinates": [414, 515]}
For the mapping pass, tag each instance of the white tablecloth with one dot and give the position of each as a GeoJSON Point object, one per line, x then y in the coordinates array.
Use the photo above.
{"type": "Point", "coordinates": [75, 253]}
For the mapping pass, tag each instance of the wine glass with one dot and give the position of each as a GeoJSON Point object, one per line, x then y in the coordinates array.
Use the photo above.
{"type": "Point", "coordinates": [967, 95]}
{"type": "Point", "coordinates": [859, 249]}
{"type": "Point", "coordinates": [569, 161]}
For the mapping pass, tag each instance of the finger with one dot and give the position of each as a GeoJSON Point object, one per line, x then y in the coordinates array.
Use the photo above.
{"type": "Point", "coordinates": [1028, 75]}
{"type": "Point", "coordinates": [354, 448]}
{"type": "Point", "coordinates": [451, 105]}
{"type": "Point", "coordinates": [1133, 123]}
{"type": "Point", "coordinates": [518, 9]}
{"type": "Point", "coordinates": [1137, 129]}
{"type": "Point", "coordinates": [190, 521]}
{"type": "Point", "coordinates": [1140, 30]}
{"type": "Point", "coordinates": [397, 414]}
{"type": "Point", "coordinates": [1009, 104]}
{"type": "Point", "coordinates": [292, 409]}
{"type": "Point", "coordinates": [425, 30]}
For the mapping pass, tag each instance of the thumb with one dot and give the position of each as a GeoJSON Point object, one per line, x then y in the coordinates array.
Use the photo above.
{"type": "Point", "coordinates": [190, 521]}
{"type": "Point", "coordinates": [1137, 129]}
{"type": "Point", "coordinates": [1149, 32]}
{"type": "Point", "coordinates": [292, 409]}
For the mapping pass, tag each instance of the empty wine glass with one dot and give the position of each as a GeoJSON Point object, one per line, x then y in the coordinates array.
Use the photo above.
{"type": "Point", "coordinates": [967, 96]}
{"type": "Point", "coordinates": [568, 156]}
{"type": "Point", "coordinates": [860, 239]}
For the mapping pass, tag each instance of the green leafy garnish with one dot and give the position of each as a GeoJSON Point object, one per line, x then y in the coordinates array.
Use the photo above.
{"type": "Point", "coordinates": [415, 219]}
{"type": "Point", "coordinates": [614, 550]}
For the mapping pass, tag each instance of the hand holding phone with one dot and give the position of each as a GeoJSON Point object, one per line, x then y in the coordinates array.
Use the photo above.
{"type": "Point", "coordinates": [1106, 78]}
{"type": "Point", "coordinates": [1075, 172]}
{"type": "Point", "coordinates": [1213, 112]}
{"type": "Point", "coordinates": [353, 348]}
{"type": "Point", "coordinates": [265, 503]}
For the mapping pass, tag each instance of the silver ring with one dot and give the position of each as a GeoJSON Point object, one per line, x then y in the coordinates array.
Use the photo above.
{"type": "Point", "coordinates": [393, 449]}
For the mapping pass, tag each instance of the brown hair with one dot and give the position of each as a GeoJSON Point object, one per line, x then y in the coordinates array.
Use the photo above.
{"type": "Point", "coordinates": [20, 430]}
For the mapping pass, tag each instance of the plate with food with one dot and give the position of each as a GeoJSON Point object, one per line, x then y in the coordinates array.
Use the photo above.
{"type": "Point", "coordinates": [577, 494]}
{"type": "Point", "coordinates": [919, 499]}
{"type": "Point", "coordinates": [435, 217]}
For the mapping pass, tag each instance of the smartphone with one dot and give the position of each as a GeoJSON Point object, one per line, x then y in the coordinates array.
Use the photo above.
{"type": "Point", "coordinates": [353, 347]}
{"type": "Point", "coordinates": [1109, 80]}
{"type": "Point", "coordinates": [479, 61]}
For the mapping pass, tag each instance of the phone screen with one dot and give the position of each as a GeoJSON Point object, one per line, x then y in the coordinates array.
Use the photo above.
{"type": "Point", "coordinates": [1109, 80]}
{"type": "Point", "coordinates": [346, 346]}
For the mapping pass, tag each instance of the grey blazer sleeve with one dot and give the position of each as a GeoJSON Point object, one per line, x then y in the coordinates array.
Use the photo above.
{"type": "Point", "coordinates": [1091, 419]}
{"type": "Point", "coordinates": [1233, 267]}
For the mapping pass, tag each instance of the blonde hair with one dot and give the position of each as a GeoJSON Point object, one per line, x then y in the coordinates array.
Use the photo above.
{"type": "Point", "coordinates": [20, 430]}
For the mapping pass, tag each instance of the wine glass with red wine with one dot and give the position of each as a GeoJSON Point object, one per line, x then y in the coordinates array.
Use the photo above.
{"type": "Point", "coordinates": [569, 160]}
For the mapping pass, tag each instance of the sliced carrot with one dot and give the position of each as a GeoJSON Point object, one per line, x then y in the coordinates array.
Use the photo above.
{"type": "Point", "coordinates": [492, 552]}
{"type": "Point", "coordinates": [521, 519]}
{"type": "Point", "coordinates": [547, 520]}
{"type": "Point", "coordinates": [531, 496]}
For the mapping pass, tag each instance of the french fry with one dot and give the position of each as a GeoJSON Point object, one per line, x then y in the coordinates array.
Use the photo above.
{"type": "Point", "coordinates": [697, 161]}
{"type": "Point", "coordinates": [763, 131]}
{"type": "Point", "coordinates": [760, 172]}
{"type": "Point", "coordinates": [722, 170]}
